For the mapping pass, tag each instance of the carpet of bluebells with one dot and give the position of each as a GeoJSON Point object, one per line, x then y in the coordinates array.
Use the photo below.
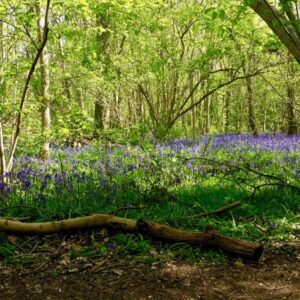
{"type": "Point", "coordinates": [174, 179]}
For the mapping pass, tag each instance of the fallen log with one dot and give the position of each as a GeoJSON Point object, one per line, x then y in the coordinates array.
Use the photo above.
{"type": "Point", "coordinates": [208, 238]}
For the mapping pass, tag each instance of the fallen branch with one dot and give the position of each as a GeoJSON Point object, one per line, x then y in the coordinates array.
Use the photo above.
{"type": "Point", "coordinates": [220, 210]}
{"type": "Point", "coordinates": [128, 208]}
{"type": "Point", "coordinates": [208, 238]}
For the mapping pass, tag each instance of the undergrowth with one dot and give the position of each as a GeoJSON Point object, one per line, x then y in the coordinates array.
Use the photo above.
{"type": "Point", "coordinates": [168, 183]}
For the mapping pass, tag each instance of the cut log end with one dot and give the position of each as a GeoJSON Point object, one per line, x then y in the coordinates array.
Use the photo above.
{"type": "Point", "coordinates": [209, 238]}
{"type": "Point", "coordinates": [258, 252]}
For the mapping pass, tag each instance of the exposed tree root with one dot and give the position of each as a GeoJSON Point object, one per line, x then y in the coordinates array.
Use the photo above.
{"type": "Point", "coordinates": [208, 238]}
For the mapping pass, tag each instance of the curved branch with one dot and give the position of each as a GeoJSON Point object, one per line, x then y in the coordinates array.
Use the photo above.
{"type": "Point", "coordinates": [25, 90]}
{"type": "Point", "coordinates": [208, 238]}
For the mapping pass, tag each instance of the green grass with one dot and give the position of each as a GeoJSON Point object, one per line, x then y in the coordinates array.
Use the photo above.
{"type": "Point", "coordinates": [170, 194]}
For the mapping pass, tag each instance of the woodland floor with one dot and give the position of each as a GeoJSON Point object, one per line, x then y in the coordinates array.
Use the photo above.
{"type": "Point", "coordinates": [51, 273]}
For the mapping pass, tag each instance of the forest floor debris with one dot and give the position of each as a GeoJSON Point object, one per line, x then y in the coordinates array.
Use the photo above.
{"type": "Point", "coordinates": [40, 274]}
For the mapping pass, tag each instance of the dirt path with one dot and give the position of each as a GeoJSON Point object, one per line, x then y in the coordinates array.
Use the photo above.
{"type": "Point", "coordinates": [276, 277]}
{"type": "Point", "coordinates": [48, 268]}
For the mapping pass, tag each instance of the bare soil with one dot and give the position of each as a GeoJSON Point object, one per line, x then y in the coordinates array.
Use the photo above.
{"type": "Point", "coordinates": [52, 274]}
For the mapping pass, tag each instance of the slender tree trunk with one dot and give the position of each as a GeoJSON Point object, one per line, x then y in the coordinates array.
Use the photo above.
{"type": "Point", "coordinates": [249, 96]}
{"type": "Point", "coordinates": [2, 59]}
{"type": "Point", "coordinates": [66, 80]}
{"type": "Point", "coordinates": [292, 127]}
{"type": "Point", "coordinates": [226, 111]}
{"type": "Point", "coordinates": [102, 39]}
{"type": "Point", "coordinates": [265, 111]}
{"type": "Point", "coordinates": [2, 97]}
{"type": "Point", "coordinates": [251, 114]}
{"type": "Point", "coordinates": [2, 156]}
{"type": "Point", "coordinates": [291, 118]}
{"type": "Point", "coordinates": [140, 109]}
{"type": "Point", "coordinates": [98, 116]}
{"type": "Point", "coordinates": [193, 117]}
{"type": "Point", "coordinates": [45, 84]}
{"type": "Point", "coordinates": [80, 101]}
{"type": "Point", "coordinates": [207, 104]}
{"type": "Point", "coordinates": [238, 111]}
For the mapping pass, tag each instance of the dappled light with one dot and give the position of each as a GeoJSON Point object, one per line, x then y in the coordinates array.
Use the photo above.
{"type": "Point", "coordinates": [149, 149]}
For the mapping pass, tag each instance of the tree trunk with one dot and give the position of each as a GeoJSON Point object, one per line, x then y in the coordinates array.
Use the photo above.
{"type": "Point", "coordinates": [2, 156]}
{"type": "Point", "coordinates": [2, 97]}
{"type": "Point", "coordinates": [251, 114]}
{"type": "Point", "coordinates": [291, 118]}
{"type": "Point", "coordinates": [207, 115]}
{"type": "Point", "coordinates": [193, 112]}
{"type": "Point", "coordinates": [292, 127]}
{"type": "Point", "coordinates": [279, 24]}
{"type": "Point", "coordinates": [80, 100]}
{"type": "Point", "coordinates": [98, 117]}
{"type": "Point", "coordinates": [249, 95]}
{"type": "Point", "coordinates": [66, 80]}
{"type": "Point", "coordinates": [102, 39]}
{"type": "Point", "coordinates": [226, 111]}
{"type": "Point", "coordinates": [45, 84]}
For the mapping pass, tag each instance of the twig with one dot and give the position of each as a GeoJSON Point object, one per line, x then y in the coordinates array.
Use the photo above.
{"type": "Point", "coordinates": [219, 210]}
{"type": "Point", "coordinates": [39, 268]}
{"type": "Point", "coordinates": [281, 182]}
{"type": "Point", "coordinates": [128, 208]}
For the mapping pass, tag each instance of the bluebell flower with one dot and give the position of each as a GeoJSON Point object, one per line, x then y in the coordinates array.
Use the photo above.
{"type": "Point", "coordinates": [111, 246]}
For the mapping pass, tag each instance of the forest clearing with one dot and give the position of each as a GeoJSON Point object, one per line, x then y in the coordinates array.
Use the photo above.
{"type": "Point", "coordinates": [149, 149]}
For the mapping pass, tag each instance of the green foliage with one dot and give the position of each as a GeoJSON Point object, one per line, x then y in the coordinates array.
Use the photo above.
{"type": "Point", "coordinates": [132, 244]}
{"type": "Point", "coordinates": [146, 62]}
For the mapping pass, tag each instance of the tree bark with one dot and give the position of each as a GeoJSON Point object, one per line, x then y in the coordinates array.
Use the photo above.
{"type": "Point", "coordinates": [2, 156]}
{"type": "Point", "coordinates": [66, 81]}
{"type": "Point", "coordinates": [102, 39]}
{"type": "Point", "coordinates": [291, 118]}
{"type": "Point", "coordinates": [249, 95]}
{"type": "Point", "coordinates": [279, 24]}
{"type": "Point", "coordinates": [45, 84]}
{"type": "Point", "coordinates": [98, 117]}
{"type": "Point", "coordinates": [208, 238]}
{"type": "Point", "coordinates": [226, 111]}
{"type": "Point", "coordinates": [292, 127]}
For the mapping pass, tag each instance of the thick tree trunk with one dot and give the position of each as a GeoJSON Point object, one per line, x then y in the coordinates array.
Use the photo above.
{"type": "Point", "coordinates": [279, 24]}
{"type": "Point", "coordinates": [208, 238]}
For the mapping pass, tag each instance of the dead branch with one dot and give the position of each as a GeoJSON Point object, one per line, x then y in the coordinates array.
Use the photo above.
{"type": "Point", "coordinates": [220, 210]}
{"type": "Point", "coordinates": [128, 208]}
{"type": "Point", "coordinates": [208, 238]}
